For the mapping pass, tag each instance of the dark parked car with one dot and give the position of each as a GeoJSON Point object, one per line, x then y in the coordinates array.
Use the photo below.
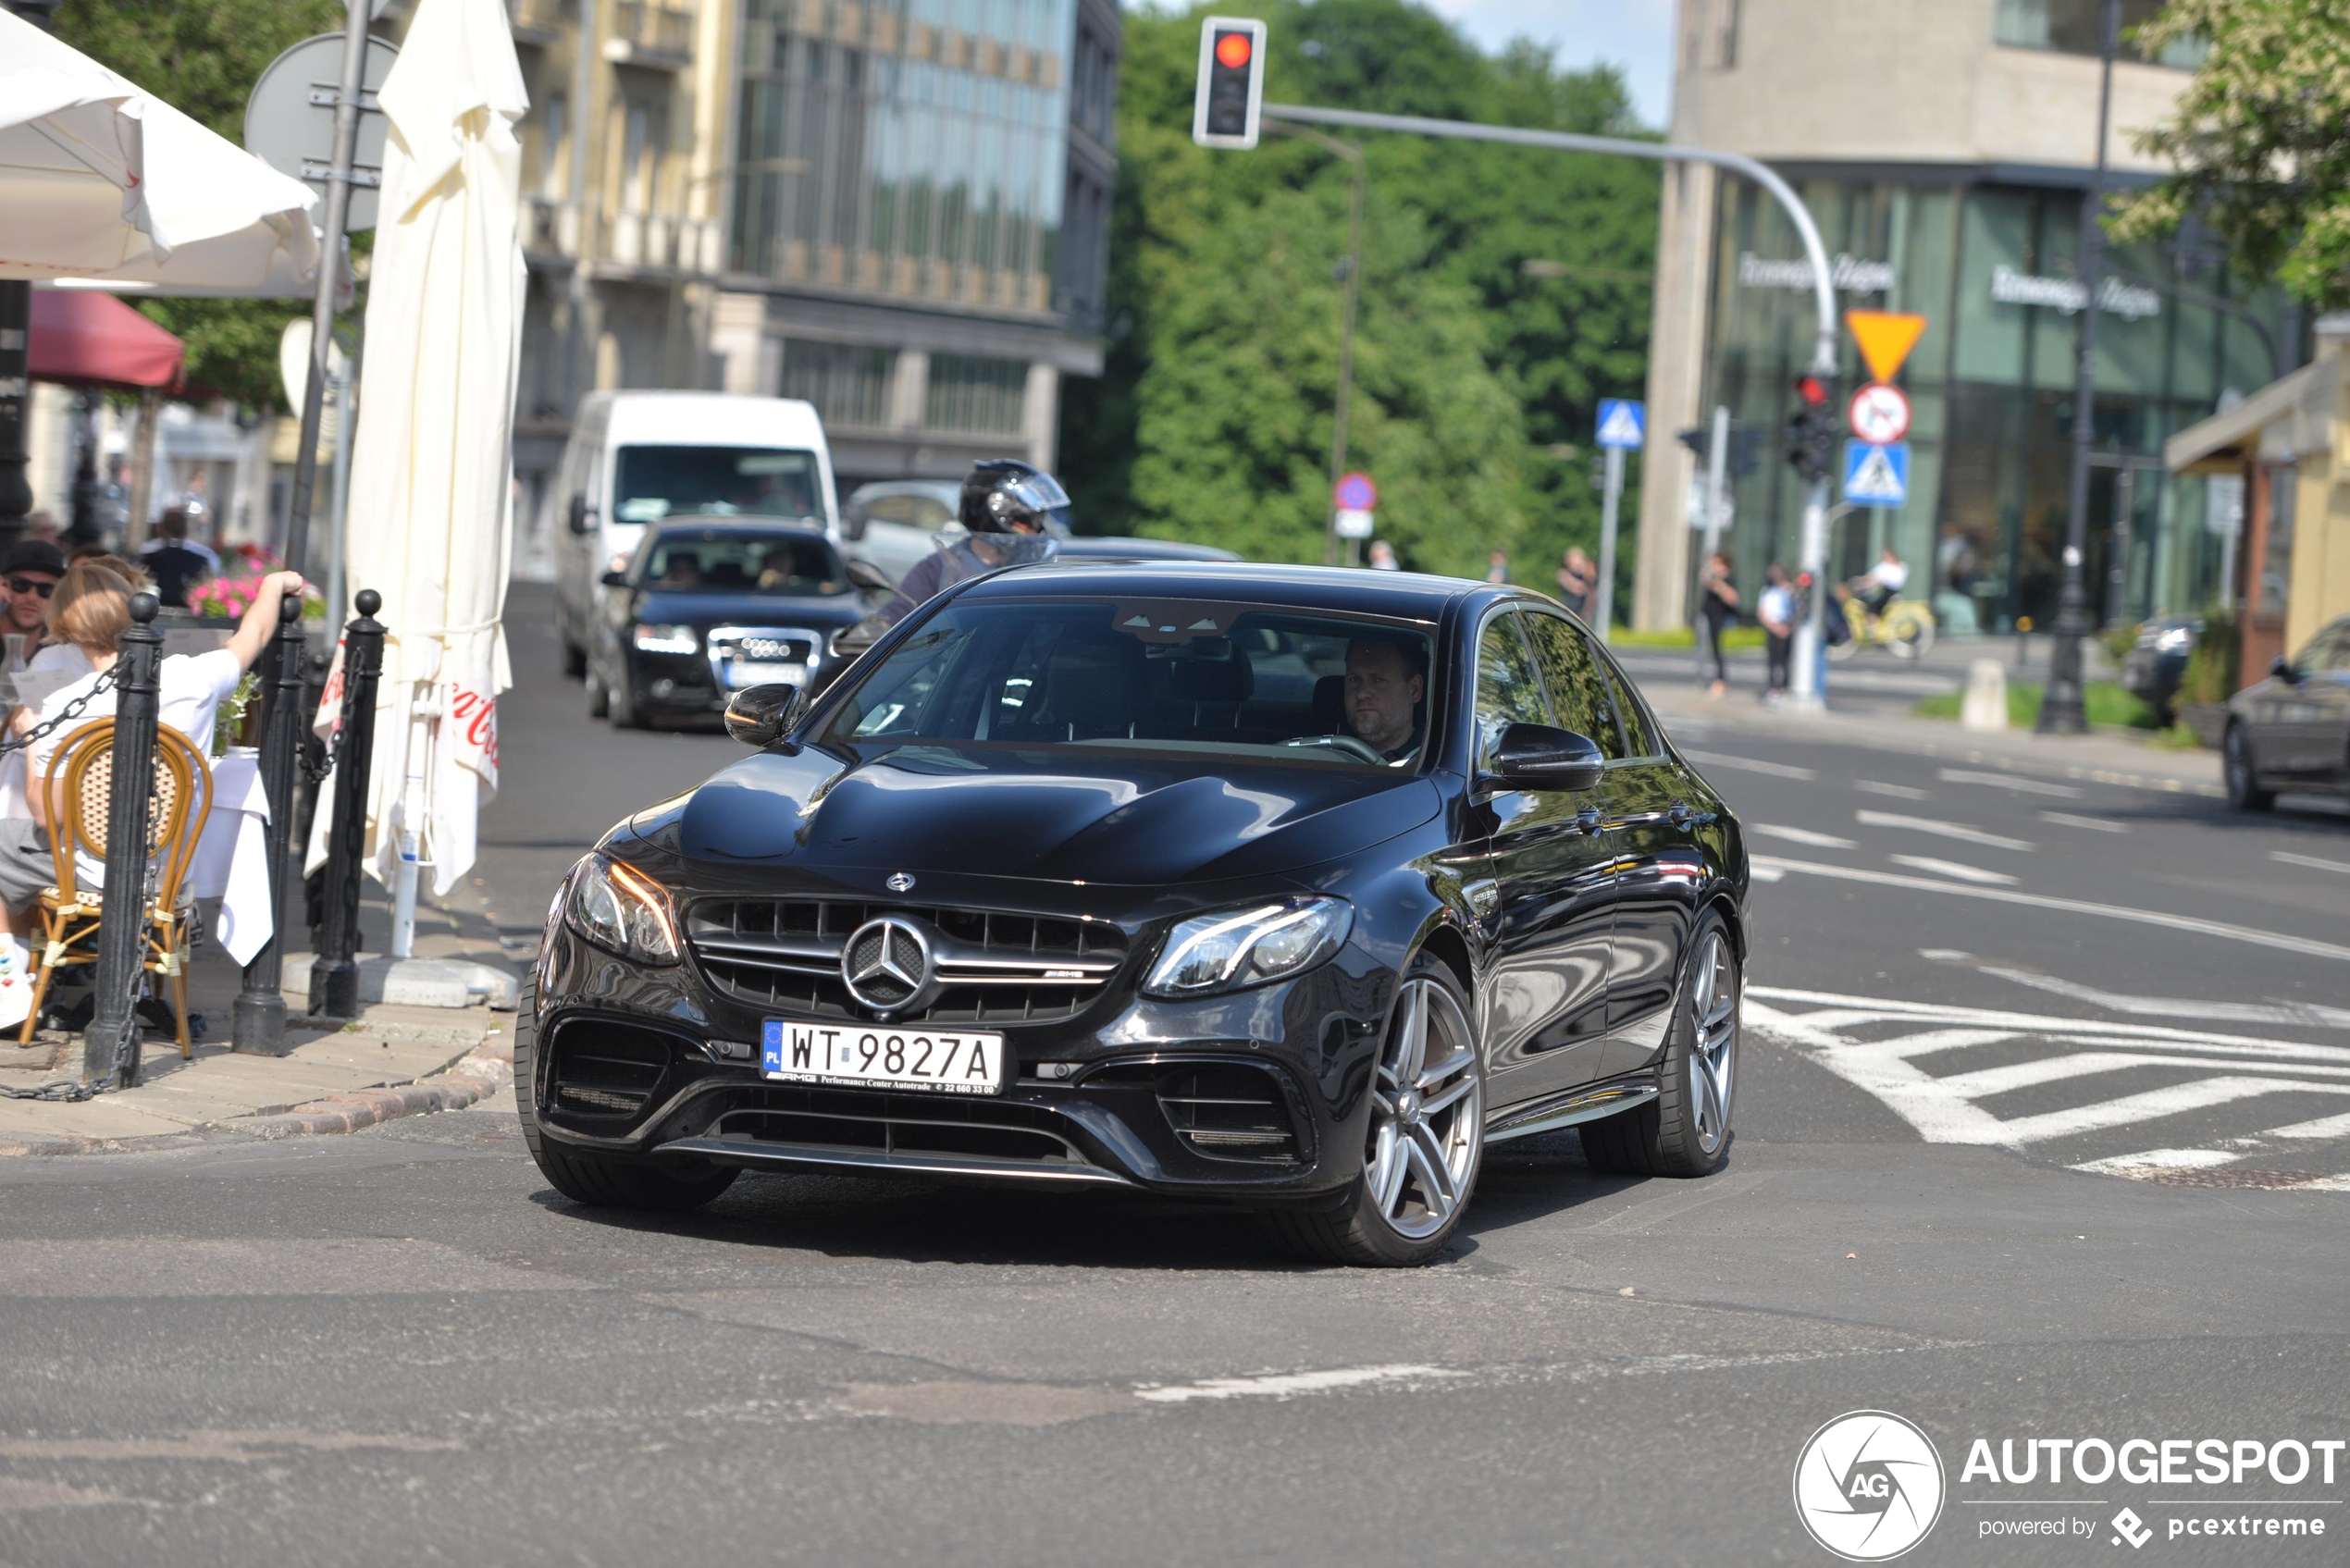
{"type": "Point", "coordinates": [1283, 885]}
{"type": "Point", "coordinates": [2157, 662]}
{"type": "Point", "coordinates": [2292, 731]}
{"type": "Point", "coordinates": [703, 610]}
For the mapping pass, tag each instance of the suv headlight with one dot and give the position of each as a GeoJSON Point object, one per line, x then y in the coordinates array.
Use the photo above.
{"type": "Point", "coordinates": [1242, 947]}
{"type": "Point", "coordinates": [621, 910]}
{"type": "Point", "coordinates": [666, 639]}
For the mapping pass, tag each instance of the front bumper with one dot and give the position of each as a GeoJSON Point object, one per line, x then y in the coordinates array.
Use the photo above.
{"type": "Point", "coordinates": [1264, 1093]}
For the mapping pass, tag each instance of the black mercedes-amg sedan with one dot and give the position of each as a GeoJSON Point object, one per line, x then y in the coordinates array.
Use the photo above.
{"type": "Point", "coordinates": [702, 609]}
{"type": "Point", "coordinates": [1285, 886]}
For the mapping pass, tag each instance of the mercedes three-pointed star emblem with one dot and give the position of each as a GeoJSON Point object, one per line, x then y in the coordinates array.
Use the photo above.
{"type": "Point", "coordinates": [887, 964]}
{"type": "Point", "coordinates": [899, 881]}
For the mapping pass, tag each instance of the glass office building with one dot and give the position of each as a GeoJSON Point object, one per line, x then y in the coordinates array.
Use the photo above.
{"type": "Point", "coordinates": [1993, 267]}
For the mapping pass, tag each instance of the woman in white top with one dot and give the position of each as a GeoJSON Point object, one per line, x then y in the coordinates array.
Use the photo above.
{"type": "Point", "coordinates": [193, 686]}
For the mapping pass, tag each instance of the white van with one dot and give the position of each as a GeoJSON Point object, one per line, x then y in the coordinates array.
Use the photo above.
{"type": "Point", "coordinates": [635, 457]}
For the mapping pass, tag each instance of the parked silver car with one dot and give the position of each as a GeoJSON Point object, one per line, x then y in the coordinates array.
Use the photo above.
{"type": "Point", "coordinates": [2292, 731]}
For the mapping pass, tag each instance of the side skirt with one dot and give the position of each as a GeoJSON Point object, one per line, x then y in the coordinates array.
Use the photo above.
{"type": "Point", "coordinates": [1588, 1103]}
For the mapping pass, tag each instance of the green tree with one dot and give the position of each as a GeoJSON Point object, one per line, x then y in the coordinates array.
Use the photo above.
{"type": "Point", "coordinates": [203, 56]}
{"type": "Point", "coordinates": [2255, 142]}
{"type": "Point", "coordinates": [1503, 292]}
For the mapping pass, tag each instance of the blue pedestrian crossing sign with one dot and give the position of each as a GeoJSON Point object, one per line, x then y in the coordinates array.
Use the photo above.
{"type": "Point", "coordinates": [1877, 476]}
{"type": "Point", "coordinates": [1623, 422]}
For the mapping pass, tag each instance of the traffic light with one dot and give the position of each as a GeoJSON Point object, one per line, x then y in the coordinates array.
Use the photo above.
{"type": "Point", "coordinates": [1811, 432]}
{"type": "Point", "coordinates": [1232, 83]}
{"type": "Point", "coordinates": [1745, 450]}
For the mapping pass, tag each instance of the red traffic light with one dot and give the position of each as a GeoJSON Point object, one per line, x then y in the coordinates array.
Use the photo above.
{"type": "Point", "coordinates": [1813, 390]}
{"type": "Point", "coordinates": [1233, 50]}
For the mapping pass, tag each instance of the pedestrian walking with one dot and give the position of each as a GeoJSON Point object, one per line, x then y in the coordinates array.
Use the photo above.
{"type": "Point", "coordinates": [174, 562]}
{"type": "Point", "coordinates": [1776, 610]}
{"type": "Point", "coordinates": [1578, 580]}
{"type": "Point", "coordinates": [1717, 611]}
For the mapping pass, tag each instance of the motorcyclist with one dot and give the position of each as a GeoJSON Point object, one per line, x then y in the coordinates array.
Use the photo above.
{"type": "Point", "coordinates": [1013, 513]}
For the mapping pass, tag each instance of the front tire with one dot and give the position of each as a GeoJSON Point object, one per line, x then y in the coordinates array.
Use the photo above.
{"type": "Point", "coordinates": [2243, 774]}
{"type": "Point", "coordinates": [1426, 1140]}
{"type": "Point", "coordinates": [1686, 1130]}
{"type": "Point", "coordinates": [599, 695]}
{"type": "Point", "coordinates": [600, 1183]}
{"type": "Point", "coordinates": [1909, 631]}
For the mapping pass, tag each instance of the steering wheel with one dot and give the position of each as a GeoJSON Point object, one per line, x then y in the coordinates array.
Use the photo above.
{"type": "Point", "coordinates": [1353, 746]}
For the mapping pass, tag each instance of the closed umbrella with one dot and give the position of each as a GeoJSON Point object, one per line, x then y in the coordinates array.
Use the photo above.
{"type": "Point", "coordinates": [431, 515]}
{"type": "Point", "coordinates": [101, 179]}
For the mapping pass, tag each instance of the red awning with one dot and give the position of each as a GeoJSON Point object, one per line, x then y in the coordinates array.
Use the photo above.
{"type": "Point", "coordinates": [82, 338]}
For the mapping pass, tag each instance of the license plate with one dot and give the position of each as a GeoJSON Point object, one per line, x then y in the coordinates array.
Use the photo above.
{"type": "Point", "coordinates": [869, 1056]}
{"type": "Point", "coordinates": [741, 673]}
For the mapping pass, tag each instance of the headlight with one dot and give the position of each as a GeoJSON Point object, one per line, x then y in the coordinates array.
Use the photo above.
{"type": "Point", "coordinates": [621, 910]}
{"type": "Point", "coordinates": [665, 639]}
{"type": "Point", "coordinates": [1239, 948]}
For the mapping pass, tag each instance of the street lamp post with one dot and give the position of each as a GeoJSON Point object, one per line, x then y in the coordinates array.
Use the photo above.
{"type": "Point", "coordinates": [2064, 707]}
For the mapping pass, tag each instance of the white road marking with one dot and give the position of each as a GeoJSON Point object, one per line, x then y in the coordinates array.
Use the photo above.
{"type": "Point", "coordinates": [2160, 1159]}
{"type": "Point", "coordinates": [1945, 956]}
{"type": "Point", "coordinates": [2308, 1015]}
{"type": "Point", "coordinates": [1942, 829]}
{"type": "Point", "coordinates": [2308, 946]}
{"type": "Point", "coordinates": [2095, 825]}
{"type": "Point", "coordinates": [1776, 770]}
{"type": "Point", "coordinates": [1952, 868]}
{"type": "Point", "coordinates": [1898, 792]}
{"type": "Point", "coordinates": [1845, 1034]}
{"type": "Point", "coordinates": [2009, 781]}
{"type": "Point", "coordinates": [1801, 835]}
{"type": "Point", "coordinates": [2309, 860]}
{"type": "Point", "coordinates": [1285, 1385]}
{"type": "Point", "coordinates": [1767, 873]}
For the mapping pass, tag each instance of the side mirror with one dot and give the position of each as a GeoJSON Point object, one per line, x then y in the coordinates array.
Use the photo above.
{"type": "Point", "coordinates": [759, 715]}
{"type": "Point", "coordinates": [582, 516]}
{"type": "Point", "coordinates": [614, 579]}
{"type": "Point", "coordinates": [1539, 757]}
{"type": "Point", "coordinates": [854, 524]}
{"type": "Point", "coordinates": [2283, 669]}
{"type": "Point", "coordinates": [871, 578]}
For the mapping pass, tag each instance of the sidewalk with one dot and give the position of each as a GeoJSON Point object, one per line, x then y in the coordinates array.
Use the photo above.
{"type": "Point", "coordinates": [391, 1061]}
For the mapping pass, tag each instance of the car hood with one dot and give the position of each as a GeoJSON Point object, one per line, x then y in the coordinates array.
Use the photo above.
{"type": "Point", "coordinates": [656, 608]}
{"type": "Point", "coordinates": [1118, 819]}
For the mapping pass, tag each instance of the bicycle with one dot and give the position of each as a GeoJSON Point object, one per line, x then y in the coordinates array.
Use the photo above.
{"type": "Point", "coordinates": [1905, 626]}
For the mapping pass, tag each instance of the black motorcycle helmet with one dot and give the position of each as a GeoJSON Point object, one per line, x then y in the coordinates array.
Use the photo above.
{"type": "Point", "coordinates": [1001, 493]}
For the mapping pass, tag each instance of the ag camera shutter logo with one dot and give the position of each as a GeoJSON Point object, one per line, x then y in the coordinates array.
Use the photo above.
{"type": "Point", "coordinates": [1868, 1485]}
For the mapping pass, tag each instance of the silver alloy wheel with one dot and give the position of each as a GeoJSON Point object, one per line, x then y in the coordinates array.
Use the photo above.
{"type": "Point", "coordinates": [2239, 765]}
{"type": "Point", "coordinates": [1428, 1116]}
{"type": "Point", "coordinates": [1713, 1052]}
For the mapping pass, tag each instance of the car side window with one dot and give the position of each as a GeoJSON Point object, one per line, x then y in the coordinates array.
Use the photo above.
{"type": "Point", "coordinates": [1578, 690]}
{"type": "Point", "coordinates": [2329, 652]}
{"type": "Point", "coordinates": [1508, 691]}
{"type": "Point", "coordinates": [1640, 730]}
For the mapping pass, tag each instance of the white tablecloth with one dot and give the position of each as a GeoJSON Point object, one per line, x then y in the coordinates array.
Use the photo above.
{"type": "Point", "coordinates": [232, 856]}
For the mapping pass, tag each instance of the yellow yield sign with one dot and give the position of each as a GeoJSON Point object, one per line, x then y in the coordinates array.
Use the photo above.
{"type": "Point", "coordinates": [1885, 338]}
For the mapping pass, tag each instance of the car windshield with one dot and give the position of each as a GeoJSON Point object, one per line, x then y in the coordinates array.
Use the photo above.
{"type": "Point", "coordinates": [653, 482]}
{"type": "Point", "coordinates": [1183, 676]}
{"type": "Point", "coordinates": [732, 560]}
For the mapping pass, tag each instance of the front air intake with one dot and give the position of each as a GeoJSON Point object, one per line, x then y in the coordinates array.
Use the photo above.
{"type": "Point", "coordinates": [1231, 1113]}
{"type": "Point", "coordinates": [600, 1068]}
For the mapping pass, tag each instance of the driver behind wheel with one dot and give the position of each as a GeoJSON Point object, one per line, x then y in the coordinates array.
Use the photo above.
{"type": "Point", "coordinates": [1384, 685]}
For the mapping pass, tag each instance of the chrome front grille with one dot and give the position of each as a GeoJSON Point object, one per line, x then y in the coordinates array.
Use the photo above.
{"type": "Point", "coordinates": [992, 967]}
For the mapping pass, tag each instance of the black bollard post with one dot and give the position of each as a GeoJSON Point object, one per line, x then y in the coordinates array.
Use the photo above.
{"type": "Point", "coordinates": [110, 1045]}
{"type": "Point", "coordinates": [334, 975]}
{"type": "Point", "coordinates": [259, 1017]}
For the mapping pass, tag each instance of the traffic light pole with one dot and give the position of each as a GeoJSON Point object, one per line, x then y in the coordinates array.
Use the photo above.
{"type": "Point", "coordinates": [1806, 691]}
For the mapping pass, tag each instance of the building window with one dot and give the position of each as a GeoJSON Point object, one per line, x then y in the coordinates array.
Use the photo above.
{"type": "Point", "coordinates": [2073, 27]}
{"type": "Point", "coordinates": [848, 384]}
{"type": "Point", "coordinates": [973, 396]}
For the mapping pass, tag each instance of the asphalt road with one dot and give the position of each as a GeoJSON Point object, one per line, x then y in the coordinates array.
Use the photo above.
{"type": "Point", "coordinates": [2043, 1133]}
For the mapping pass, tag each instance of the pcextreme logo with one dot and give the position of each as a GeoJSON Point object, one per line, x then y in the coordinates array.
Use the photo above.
{"type": "Point", "coordinates": [1868, 1485]}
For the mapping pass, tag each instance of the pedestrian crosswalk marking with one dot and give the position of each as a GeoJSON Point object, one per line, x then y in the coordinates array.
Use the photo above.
{"type": "Point", "coordinates": [2009, 782]}
{"type": "Point", "coordinates": [1952, 868]}
{"type": "Point", "coordinates": [2096, 824]}
{"type": "Point", "coordinates": [1941, 829]}
{"type": "Point", "coordinates": [1885, 1046]}
{"type": "Point", "coordinates": [1803, 835]}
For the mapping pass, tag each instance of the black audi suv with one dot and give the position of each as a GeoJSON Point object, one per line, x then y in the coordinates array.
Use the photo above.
{"type": "Point", "coordinates": [703, 610]}
{"type": "Point", "coordinates": [1288, 886]}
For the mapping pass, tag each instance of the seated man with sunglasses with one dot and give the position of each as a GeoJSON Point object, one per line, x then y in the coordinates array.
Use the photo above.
{"type": "Point", "coordinates": [30, 575]}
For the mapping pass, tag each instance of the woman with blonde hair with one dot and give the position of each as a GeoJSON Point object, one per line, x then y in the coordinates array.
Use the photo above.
{"type": "Point", "coordinates": [93, 617]}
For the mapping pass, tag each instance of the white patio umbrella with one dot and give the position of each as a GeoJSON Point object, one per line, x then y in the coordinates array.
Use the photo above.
{"type": "Point", "coordinates": [101, 179]}
{"type": "Point", "coordinates": [431, 515]}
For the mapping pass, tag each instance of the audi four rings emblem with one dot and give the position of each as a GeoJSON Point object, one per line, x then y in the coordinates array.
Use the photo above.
{"type": "Point", "coordinates": [899, 881]}
{"type": "Point", "coordinates": [887, 964]}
